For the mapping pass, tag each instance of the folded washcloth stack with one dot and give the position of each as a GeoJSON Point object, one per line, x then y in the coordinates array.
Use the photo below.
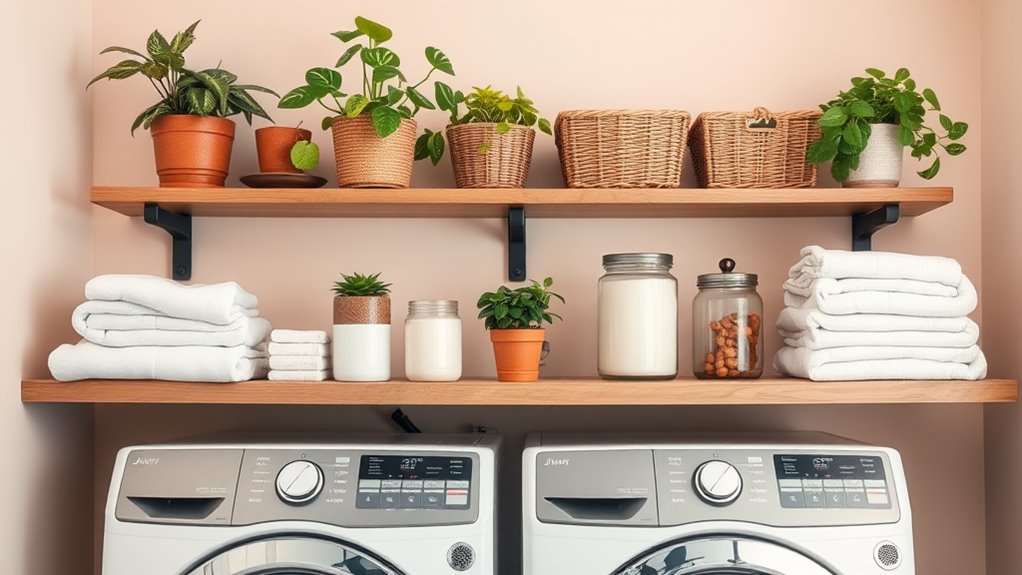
{"type": "Point", "coordinates": [877, 315]}
{"type": "Point", "coordinates": [297, 355]}
{"type": "Point", "coordinates": [146, 327]}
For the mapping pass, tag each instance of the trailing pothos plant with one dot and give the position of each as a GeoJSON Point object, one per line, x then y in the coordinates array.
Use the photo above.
{"type": "Point", "coordinates": [210, 92]}
{"type": "Point", "coordinates": [483, 105]}
{"type": "Point", "coordinates": [526, 307]}
{"type": "Point", "coordinates": [385, 94]}
{"type": "Point", "coordinates": [878, 99]}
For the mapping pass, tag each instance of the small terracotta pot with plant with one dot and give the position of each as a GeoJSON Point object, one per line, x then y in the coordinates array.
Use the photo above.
{"type": "Point", "coordinates": [285, 150]}
{"type": "Point", "coordinates": [192, 136]}
{"type": "Point", "coordinates": [515, 318]}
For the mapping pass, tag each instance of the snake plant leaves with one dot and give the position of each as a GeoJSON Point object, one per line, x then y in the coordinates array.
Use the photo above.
{"type": "Point", "coordinates": [298, 98]}
{"type": "Point", "coordinates": [373, 30]}
{"type": "Point", "coordinates": [439, 60]}
{"type": "Point", "coordinates": [380, 57]}
{"type": "Point", "coordinates": [355, 104]}
{"type": "Point", "coordinates": [386, 121]}
{"type": "Point", "coordinates": [305, 155]}
{"type": "Point", "coordinates": [418, 99]}
{"type": "Point", "coordinates": [120, 71]}
{"type": "Point", "coordinates": [323, 78]}
{"type": "Point", "coordinates": [348, 55]}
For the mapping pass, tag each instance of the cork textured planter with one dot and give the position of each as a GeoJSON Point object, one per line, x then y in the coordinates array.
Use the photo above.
{"type": "Point", "coordinates": [880, 162]}
{"type": "Point", "coordinates": [365, 160]}
{"type": "Point", "coordinates": [361, 342]}
{"type": "Point", "coordinates": [192, 151]}
{"type": "Point", "coordinates": [482, 157]}
{"type": "Point", "coordinates": [273, 146]}
{"type": "Point", "coordinates": [517, 353]}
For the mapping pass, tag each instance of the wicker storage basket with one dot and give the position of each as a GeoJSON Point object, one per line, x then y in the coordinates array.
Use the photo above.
{"type": "Point", "coordinates": [622, 148]}
{"type": "Point", "coordinates": [484, 158]}
{"type": "Point", "coordinates": [365, 160]}
{"type": "Point", "coordinates": [754, 150]}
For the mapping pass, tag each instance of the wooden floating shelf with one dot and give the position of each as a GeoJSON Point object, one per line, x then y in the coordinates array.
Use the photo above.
{"type": "Point", "coordinates": [559, 392]}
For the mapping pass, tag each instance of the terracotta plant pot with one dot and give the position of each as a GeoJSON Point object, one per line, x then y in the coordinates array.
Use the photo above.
{"type": "Point", "coordinates": [880, 162]}
{"type": "Point", "coordinates": [361, 338]}
{"type": "Point", "coordinates": [517, 352]}
{"type": "Point", "coordinates": [273, 146]}
{"type": "Point", "coordinates": [192, 151]}
{"type": "Point", "coordinates": [365, 160]}
{"type": "Point", "coordinates": [482, 157]}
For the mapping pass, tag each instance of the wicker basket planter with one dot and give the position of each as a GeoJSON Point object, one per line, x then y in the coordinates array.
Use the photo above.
{"type": "Point", "coordinates": [754, 150]}
{"type": "Point", "coordinates": [622, 148]}
{"type": "Point", "coordinates": [484, 158]}
{"type": "Point", "coordinates": [365, 160]}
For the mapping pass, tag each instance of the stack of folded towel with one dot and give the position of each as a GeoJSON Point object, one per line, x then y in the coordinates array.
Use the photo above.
{"type": "Point", "coordinates": [146, 327]}
{"type": "Point", "coordinates": [297, 355]}
{"type": "Point", "coordinates": [876, 315]}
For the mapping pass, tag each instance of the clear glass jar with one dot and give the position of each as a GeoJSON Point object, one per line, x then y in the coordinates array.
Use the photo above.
{"type": "Point", "coordinates": [433, 341]}
{"type": "Point", "coordinates": [637, 336]}
{"type": "Point", "coordinates": [727, 325]}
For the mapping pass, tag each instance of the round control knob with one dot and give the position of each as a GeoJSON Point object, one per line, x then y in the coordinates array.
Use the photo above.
{"type": "Point", "coordinates": [718, 483]}
{"type": "Point", "coordinates": [299, 482]}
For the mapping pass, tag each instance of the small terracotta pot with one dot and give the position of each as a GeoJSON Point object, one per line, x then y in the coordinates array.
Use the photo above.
{"type": "Point", "coordinates": [517, 352]}
{"type": "Point", "coordinates": [365, 160]}
{"type": "Point", "coordinates": [273, 146]}
{"type": "Point", "coordinates": [192, 151]}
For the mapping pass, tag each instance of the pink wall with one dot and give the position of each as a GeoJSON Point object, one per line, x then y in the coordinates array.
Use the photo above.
{"type": "Point", "coordinates": [697, 56]}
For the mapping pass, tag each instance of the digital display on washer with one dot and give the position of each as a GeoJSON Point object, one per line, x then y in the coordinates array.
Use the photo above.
{"type": "Point", "coordinates": [414, 482]}
{"type": "Point", "coordinates": [832, 482]}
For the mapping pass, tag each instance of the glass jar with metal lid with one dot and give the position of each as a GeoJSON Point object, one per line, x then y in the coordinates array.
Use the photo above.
{"type": "Point", "coordinates": [637, 335]}
{"type": "Point", "coordinates": [433, 341]}
{"type": "Point", "coordinates": [727, 324]}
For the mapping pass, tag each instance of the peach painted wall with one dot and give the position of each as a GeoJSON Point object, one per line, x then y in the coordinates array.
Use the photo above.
{"type": "Point", "coordinates": [47, 506]}
{"type": "Point", "coordinates": [699, 56]}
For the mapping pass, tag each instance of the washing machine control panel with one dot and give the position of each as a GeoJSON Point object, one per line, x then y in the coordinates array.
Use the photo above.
{"type": "Point", "coordinates": [807, 481]}
{"type": "Point", "coordinates": [414, 482]}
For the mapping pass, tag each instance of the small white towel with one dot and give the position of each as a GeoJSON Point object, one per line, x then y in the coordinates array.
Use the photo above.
{"type": "Point", "coordinates": [313, 349]}
{"type": "Point", "coordinates": [804, 286]}
{"type": "Point", "coordinates": [824, 339]}
{"type": "Point", "coordinates": [880, 363]}
{"type": "Point", "coordinates": [895, 303]}
{"type": "Point", "coordinates": [299, 336]}
{"type": "Point", "coordinates": [800, 319]}
{"type": "Point", "coordinates": [303, 362]}
{"type": "Point", "coordinates": [122, 315]}
{"type": "Point", "coordinates": [87, 360]}
{"type": "Point", "coordinates": [299, 375]}
{"type": "Point", "coordinates": [251, 332]}
{"type": "Point", "coordinates": [818, 262]}
{"type": "Point", "coordinates": [216, 303]}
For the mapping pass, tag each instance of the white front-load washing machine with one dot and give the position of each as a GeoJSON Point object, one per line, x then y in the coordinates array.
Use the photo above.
{"type": "Point", "coordinates": [408, 504]}
{"type": "Point", "coordinates": [791, 504]}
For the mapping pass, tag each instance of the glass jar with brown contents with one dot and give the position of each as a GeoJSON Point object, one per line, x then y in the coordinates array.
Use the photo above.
{"type": "Point", "coordinates": [727, 325]}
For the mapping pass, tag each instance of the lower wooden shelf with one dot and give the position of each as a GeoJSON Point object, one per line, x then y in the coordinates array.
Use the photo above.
{"type": "Point", "coordinates": [562, 392]}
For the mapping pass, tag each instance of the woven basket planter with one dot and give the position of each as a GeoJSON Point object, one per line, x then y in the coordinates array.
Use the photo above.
{"type": "Point", "coordinates": [622, 148]}
{"type": "Point", "coordinates": [365, 160]}
{"type": "Point", "coordinates": [484, 158]}
{"type": "Point", "coordinates": [754, 150]}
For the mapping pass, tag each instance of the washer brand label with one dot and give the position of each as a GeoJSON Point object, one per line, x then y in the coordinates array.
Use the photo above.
{"type": "Point", "coordinates": [145, 460]}
{"type": "Point", "coordinates": [551, 462]}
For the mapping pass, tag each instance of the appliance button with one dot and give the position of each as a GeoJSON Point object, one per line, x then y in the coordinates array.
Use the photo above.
{"type": "Point", "coordinates": [878, 499]}
{"type": "Point", "coordinates": [456, 498]}
{"type": "Point", "coordinates": [835, 499]}
{"type": "Point", "coordinates": [432, 499]}
{"type": "Point", "coordinates": [390, 499]}
{"type": "Point", "coordinates": [457, 484]}
{"type": "Point", "coordinates": [856, 498]}
{"type": "Point", "coordinates": [792, 499]}
{"type": "Point", "coordinates": [833, 483]}
{"type": "Point", "coordinates": [718, 482]}
{"type": "Point", "coordinates": [790, 483]}
{"type": "Point", "coordinates": [433, 484]}
{"type": "Point", "coordinates": [411, 500]}
{"type": "Point", "coordinates": [812, 483]}
{"type": "Point", "coordinates": [368, 500]}
{"type": "Point", "coordinates": [814, 499]}
{"type": "Point", "coordinates": [299, 482]}
{"type": "Point", "coordinates": [875, 483]}
{"type": "Point", "coordinates": [369, 484]}
{"type": "Point", "coordinates": [415, 484]}
{"type": "Point", "coordinates": [391, 483]}
{"type": "Point", "coordinates": [853, 483]}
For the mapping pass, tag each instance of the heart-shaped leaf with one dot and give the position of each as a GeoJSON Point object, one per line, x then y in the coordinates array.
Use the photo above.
{"type": "Point", "coordinates": [347, 55]}
{"type": "Point", "coordinates": [958, 129]}
{"type": "Point", "coordinates": [422, 151]}
{"type": "Point", "coordinates": [901, 75]}
{"type": "Point", "coordinates": [905, 136]}
{"type": "Point", "coordinates": [328, 121]}
{"type": "Point", "coordinates": [931, 97]}
{"type": "Point", "coordinates": [374, 30]}
{"type": "Point", "coordinates": [833, 117]}
{"type": "Point", "coordinates": [930, 172]}
{"type": "Point", "coordinates": [544, 126]}
{"type": "Point", "coordinates": [394, 95]}
{"type": "Point", "coordinates": [386, 121]}
{"type": "Point", "coordinates": [324, 78]}
{"type": "Point", "coordinates": [355, 104]}
{"type": "Point", "coordinates": [298, 98]}
{"type": "Point", "coordinates": [823, 151]}
{"type": "Point", "coordinates": [878, 74]}
{"type": "Point", "coordinates": [380, 57]}
{"type": "Point", "coordinates": [439, 60]}
{"type": "Point", "coordinates": [418, 99]}
{"type": "Point", "coordinates": [305, 155]}
{"type": "Point", "coordinates": [853, 136]}
{"type": "Point", "coordinates": [861, 109]}
{"type": "Point", "coordinates": [384, 73]}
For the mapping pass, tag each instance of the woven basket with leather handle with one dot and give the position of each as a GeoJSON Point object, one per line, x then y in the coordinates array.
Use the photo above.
{"type": "Point", "coordinates": [365, 160]}
{"type": "Point", "coordinates": [622, 148]}
{"type": "Point", "coordinates": [484, 158]}
{"type": "Point", "coordinates": [757, 149]}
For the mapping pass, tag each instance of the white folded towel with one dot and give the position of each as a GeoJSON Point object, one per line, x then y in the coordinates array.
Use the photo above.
{"type": "Point", "coordinates": [313, 349]}
{"type": "Point", "coordinates": [87, 360]}
{"type": "Point", "coordinates": [804, 285]}
{"type": "Point", "coordinates": [895, 303]}
{"type": "Point", "coordinates": [863, 363]}
{"type": "Point", "coordinates": [299, 375]}
{"type": "Point", "coordinates": [823, 339]}
{"type": "Point", "coordinates": [800, 319]}
{"type": "Point", "coordinates": [216, 303]}
{"type": "Point", "coordinates": [303, 362]}
{"type": "Point", "coordinates": [299, 336]}
{"type": "Point", "coordinates": [251, 332]}
{"type": "Point", "coordinates": [818, 262]}
{"type": "Point", "coordinates": [122, 315]}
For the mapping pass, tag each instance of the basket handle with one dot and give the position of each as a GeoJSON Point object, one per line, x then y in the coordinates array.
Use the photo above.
{"type": "Point", "coordinates": [761, 120]}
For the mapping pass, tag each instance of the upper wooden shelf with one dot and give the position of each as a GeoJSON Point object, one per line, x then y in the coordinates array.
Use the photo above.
{"type": "Point", "coordinates": [543, 203]}
{"type": "Point", "coordinates": [561, 392]}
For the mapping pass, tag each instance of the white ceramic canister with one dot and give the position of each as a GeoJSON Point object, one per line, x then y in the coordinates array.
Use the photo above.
{"type": "Point", "coordinates": [880, 162]}
{"type": "Point", "coordinates": [638, 317]}
{"type": "Point", "coordinates": [433, 341]}
{"type": "Point", "coordinates": [361, 343]}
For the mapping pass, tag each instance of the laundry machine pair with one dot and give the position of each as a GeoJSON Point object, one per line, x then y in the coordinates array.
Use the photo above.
{"type": "Point", "coordinates": [802, 504]}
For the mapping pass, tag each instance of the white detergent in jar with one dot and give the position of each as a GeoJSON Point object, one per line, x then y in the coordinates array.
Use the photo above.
{"type": "Point", "coordinates": [433, 341]}
{"type": "Point", "coordinates": [638, 317]}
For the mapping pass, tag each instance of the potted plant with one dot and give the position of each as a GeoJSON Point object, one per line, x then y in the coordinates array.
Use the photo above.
{"type": "Point", "coordinates": [491, 144]}
{"type": "Point", "coordinates": [514, 318]}
{"type": "Point", "coordinates": [866, 128]}
{"type": "Point", "coordinates": [373, 129]}
{"type": "Point", "coordinates": [192, 136]}
{"type": "Point", "coordinates": [361, 342]}
{"type": "Point", "coordinates": [282, 149]}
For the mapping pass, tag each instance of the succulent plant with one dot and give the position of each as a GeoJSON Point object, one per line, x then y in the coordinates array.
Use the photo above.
{"type": "Point", "coordinates": [361, 285]}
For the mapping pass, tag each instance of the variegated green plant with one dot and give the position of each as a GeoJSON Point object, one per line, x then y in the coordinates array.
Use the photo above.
{"type": "Point", "coordinates": [210, 92]}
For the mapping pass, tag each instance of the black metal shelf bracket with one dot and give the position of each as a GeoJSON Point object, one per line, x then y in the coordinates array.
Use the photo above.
{"type": "Point", "coordinates": [516, 244]}
{"type": "Point", "coordinates": [865, 225]}
{"type": "Point", "coordinates": [179, 226]}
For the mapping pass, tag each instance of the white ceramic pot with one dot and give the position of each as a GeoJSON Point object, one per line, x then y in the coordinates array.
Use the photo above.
{"type": "Point", "coordinates": [880, 162]}
{"type": "Point", "coordinates": [361, 352]}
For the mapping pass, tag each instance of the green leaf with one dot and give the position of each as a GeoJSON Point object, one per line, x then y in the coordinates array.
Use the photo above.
{"type": "Point", "coordinates": [380, 57]}
{"type": "Point", "coordinates": [930, 139]}
{"type": "Point", "coordinates": [182, 40]}
{"type": "Point", "coordinates": [946, 122]}
{"type": "Point", "coordinates": [436, 147]}
{"type": "Point", "coordinates": [954, 149]}
{"type": "Point", "coordinates": [421, 153]}
{"type": "Point", "coordinates": [930, 172]}
{"type": "Point", "coordinates": [878, 74]}
{"type": "Point", "coordinates": [216, 84]}
{"type": "Point", "coordinates": [346, 37]}
{"type": "Point", "coordinates": [405, 112]}
{"type": "Point", "coordinates": [548, 282]}
{"type": "Point", "coordinates": [418, 99]}
{"type": "Point", "coordinates": [840, 169]}
{"type": "Point", "coordinates": [394, 95]}
{"type": "Point", "coordinates": [124, 51]}
{"type": "Point", "coordinates": [327, 122]}
{"type": "Point", "coordinates": [544, 126]}
{"type": "Point", "coordinates": [853, 135]}
{"type": "Point", "coordinates": [384, 73]}
{"type": "Point", "coordinates": [347, 55]}
{"type": "Point", "coordinates": [445, 97]}
{"type": "Point", "coordinates": [931, 97]}
{"type": "Point", "coordinates": [903, 101]}
{"type": "Point", "coordinates": [305, 155]}
{"type": "Point", "coordinates": [958, 129]}
{"type": "Point", "coordinates": [905, 136]}
{"type": "Point", "coordinates": [500, 311]}
{"type": "Point", "coordinates": [835, 116]}
{"type": "Point", "coordinates": [901, 75]}
{"type": "Point", "coordinates": [298, 98]}
{"type": "Point", "coordinates": [324, 78]}
{"type": "Point", "coordinates": [154, 70]}
{"type": "Point", "coordinates": [386, 121]}
{"type": "Point", "coordinates": [439, 60]}
{"type": "Point", "coordinates": [355, 105]}
{"type": "Point", "coordinates": [503, 127]}
{"type": "Point", "coordinates": [860, 109]}
{"type": "Point", "coordinates": [119, 71]}
{"type": "Point", "coordinates": [375, 31]}
{"type": "Point", "coordinates": [157, 45]}
{"type": "Point", "coordinates": [910, 85]}
{"type": "Point", "coordinates": [823, 151]}
{"type": "Point", "coordinates": [201, 101]}
{"type": "Point", "coordinates": [914, 123]}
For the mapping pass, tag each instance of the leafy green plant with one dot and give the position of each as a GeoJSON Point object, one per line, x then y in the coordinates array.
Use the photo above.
{"type": "Point", "coordinates": [210, 92]}
{"type": "Point", "coordinates": [879, 99]}
{"type": "Point", "coordinates": [386, 95]}
{"type": "Point", "coordinates": [361, 285]}
{"type": "Point", "coordinates": [484, 105]}
{"type": "Point", "coordinates": [520, 308]}
{"type": "Point", "coordinates": [304, 153]}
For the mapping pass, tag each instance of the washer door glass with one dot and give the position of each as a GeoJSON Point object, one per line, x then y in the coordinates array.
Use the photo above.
{"type": "Point", "coordinates": [293, 555]}
{"type": "Point", "coordinates": [724, 555]}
